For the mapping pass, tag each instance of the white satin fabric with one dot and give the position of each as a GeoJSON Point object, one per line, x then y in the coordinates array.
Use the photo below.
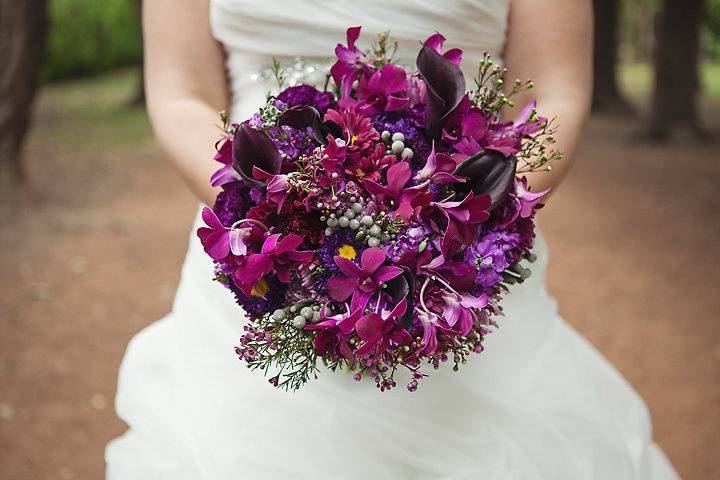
{"type": "Point", "coordinates": [539, 403]}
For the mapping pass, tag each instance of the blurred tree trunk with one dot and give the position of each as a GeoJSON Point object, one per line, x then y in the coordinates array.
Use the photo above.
{"type": "Point", "coordinates": [23, 29]}
{"type": "Point", "coordinates": [677, 82]}
{"type": "Point", "coordinates": [139, 98]}
{"type": "Point", "coordinates": [606, 94]}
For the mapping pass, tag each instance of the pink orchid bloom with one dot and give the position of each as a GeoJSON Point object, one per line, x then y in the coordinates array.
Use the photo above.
{"type": "Point", "coordinates": [436, 42]}
{"type": "Point", "coordinates": [226, 173]}
{"type": "Point", "coordinates": [361, 281]}
{"type": "Point", "coordinates": [277, 255]}
{"type": "Point", "coordinates": [429, 323]}
{"type": "Point", "coordinates": [379, 329]}
{"type": "Point", "coordinates": [384, 91]}
{"type": "Point", "coordinates": [400, 197]}
{"type": "Point", "coordinates": [277, 186]}
{"type": "Point", "coordinates": [528, 201]}
{"type": "Point", "coordinates": [351, 61]}
{"type": "Point", "coordinates": [465, 121]}
{"type": "Point", "coordinates": [462, 218]}
{"type": "Point", "coordinates": [507, 137]}
{"type": "Point", "coordinates": [218, 240]}
{"type": "Point", "coordinates": [334, 333]}
{"type": "Point", "coordinates": [457, 310]}
{"type": "Point", "coordinates": [438, 169]}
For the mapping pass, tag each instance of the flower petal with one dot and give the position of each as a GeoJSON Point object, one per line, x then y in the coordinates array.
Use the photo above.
{"type": "Point", "coordinates": [371, 259]}
{"type": "Point", "coordinates": [340, 288]}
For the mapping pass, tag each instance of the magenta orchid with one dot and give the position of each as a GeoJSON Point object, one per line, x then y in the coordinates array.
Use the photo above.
{"type": "Point", "coordinates": [351, 62]}
{"type": "Point", "coordinates": [438, 169]}
{"type": "Point", "coordinates": [218, 240]}
{"type": "Point", "coordinates": [384, 91]}
{"type": "Point", "coordinates": [278, 255]}
{"type": "Point", "coordinates": [226, 173]}
{"type": "Point", "coordinates": [361, 281]}
{"type": "Point", "coordinates": [379, 329]}
{"type": "Point", "coordinates": [436, 42]}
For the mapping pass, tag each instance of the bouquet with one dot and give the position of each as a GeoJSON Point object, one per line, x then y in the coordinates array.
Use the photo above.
{"type": "Point", "coordinates": [374, 225]}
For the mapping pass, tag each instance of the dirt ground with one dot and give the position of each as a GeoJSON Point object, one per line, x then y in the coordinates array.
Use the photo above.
{"type": "Point", "coordinates": [90, 254]}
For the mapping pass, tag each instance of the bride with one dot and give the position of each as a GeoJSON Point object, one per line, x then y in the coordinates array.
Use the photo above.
{"type": "Point", "coordinates": [539, 403]}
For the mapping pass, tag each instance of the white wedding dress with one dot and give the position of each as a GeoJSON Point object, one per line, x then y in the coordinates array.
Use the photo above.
{"type": "Point", "coordinates": [539, 403]}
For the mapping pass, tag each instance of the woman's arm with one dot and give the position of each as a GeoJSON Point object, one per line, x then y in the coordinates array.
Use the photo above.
{"type": "Point", "coordinates": [186, 86]}
{"type": "Point", "coordinates": [550, 42]}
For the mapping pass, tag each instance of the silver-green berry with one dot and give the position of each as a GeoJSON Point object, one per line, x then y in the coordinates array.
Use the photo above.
{"type": "Point", "coordinates": [279, 314]}
{"type": "Point", "coordinates": [397, 146]}
{"type": "Point", "coordinates": [366, 220]}
{"type": "Point", "coordinates": [354, 224]}
{"type": "Point", "coordinates": [356, 207]}
{"type": "Point", "coordinates": [375, 231]}
{"type": "Point", "coordinates": [306, 312]}
{"type": "Point", "coordinates": [385, 135]}
{"type": "Point", "coordinates": [299, 321]}
{"type": "Point", "coordinates": [373, 242]}
{"type": "Point", "coordinates": [343, 221]}
{"type": "Point", "coordinates": [407, 154]}
{"type": "Point", "coordinates": [332, 222]}
{"type": "Point", "coordinates": [398, 137]}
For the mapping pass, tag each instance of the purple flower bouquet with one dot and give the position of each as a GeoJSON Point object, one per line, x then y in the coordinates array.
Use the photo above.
{"type": "Point", "coordinates": [377, 224]}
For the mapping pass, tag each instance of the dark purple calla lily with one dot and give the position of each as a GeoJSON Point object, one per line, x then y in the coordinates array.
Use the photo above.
{"type": "Point", "coordinates": [445, 88]}
{"type": "Point", "coordinates": [488, 172]}
{"type": "Point", "coordinates": [251, 149]}
{"type": "Point", "coordinates": [306, 116]}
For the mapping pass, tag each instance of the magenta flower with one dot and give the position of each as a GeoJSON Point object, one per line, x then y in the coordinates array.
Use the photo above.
{"type": "Point", "coordinates": [351, 61]}
{"type": "Point", "coordinates": [464, 216]}
{"type": "Point", "coordinates": [379, 329]}
{"type": "Point", "coordinates": [218, 240]}
{"type": "Point", "coordinates": [463, 122]}
{"type": "Point", "coordinates": [361, 281]}
{"type": "Point", "coordinates": [436, 41]}
{"type": "Point", "coordinates": [385, 91]}
{"type": "Point", "coordinates": [277, 186]}
{"type": "Point", "coordinates": [226, 173]}
{"type": "Point", "coordinates": [528, 201]}
{"type": "Point", "coordinates": [457, 310]}
{"type": "Point", "coordinates": [334, 333]}
{"type": "Point", "coordinates": [278, 255]}
{"type": "Point", "coordinates": [438, 169]}
{"type": "Point", "coordinates": [400, 197]}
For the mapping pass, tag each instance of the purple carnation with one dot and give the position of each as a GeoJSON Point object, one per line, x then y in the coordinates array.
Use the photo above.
{"type": "Point", "coordinates": [307, 95]}
{"type": "Point", "coordinates": [273, 296]}
{"type": "Point", "coordinates": [410, 124]}
{"type": "Point", "coordinates": [232, 203]}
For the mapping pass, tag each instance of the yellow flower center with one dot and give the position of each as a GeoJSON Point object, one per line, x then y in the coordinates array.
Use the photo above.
{"type": "Point", "coordinates": [353, 139]}
{"type": "Point", "coordinates": [260, 289]}
{"type": "Point", "coordinates": [347, 251]}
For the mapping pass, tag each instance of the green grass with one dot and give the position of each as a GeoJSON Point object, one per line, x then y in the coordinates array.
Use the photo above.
{"type": "Point", "coordinates": [636, 79]}
{"type": "Point", "coordinates": [94, 110]}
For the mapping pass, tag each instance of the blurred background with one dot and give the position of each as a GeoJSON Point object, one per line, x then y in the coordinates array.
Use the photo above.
{"type": "Point", "coordinates": [94, 224]}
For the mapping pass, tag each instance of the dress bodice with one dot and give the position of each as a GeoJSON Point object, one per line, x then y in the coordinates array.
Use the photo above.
{"type": "Point", "coordinates": [255, 31]}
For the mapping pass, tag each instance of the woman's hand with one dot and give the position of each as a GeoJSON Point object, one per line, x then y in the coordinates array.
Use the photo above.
{"type": "Point", "coordinates": [550, 42]}
{"type": "Point", "coordinates": [186, 86]}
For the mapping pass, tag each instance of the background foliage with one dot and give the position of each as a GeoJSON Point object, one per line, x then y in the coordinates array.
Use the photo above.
{"type": "Point", "coordinates": [91, 36]}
